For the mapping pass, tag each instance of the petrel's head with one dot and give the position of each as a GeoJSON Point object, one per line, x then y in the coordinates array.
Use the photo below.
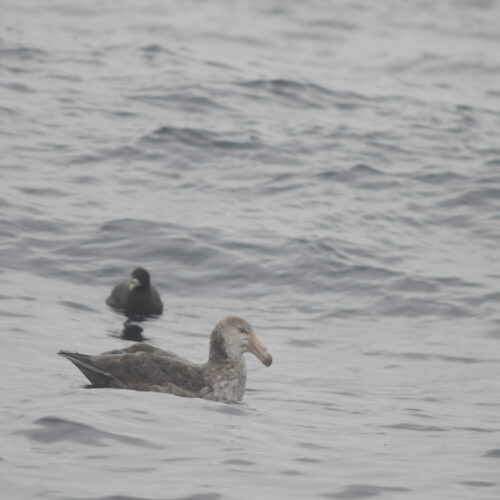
{"type": "Point", "coordinates": [140, 278]}
{"type": "Point", "coordinates": [234, 336]}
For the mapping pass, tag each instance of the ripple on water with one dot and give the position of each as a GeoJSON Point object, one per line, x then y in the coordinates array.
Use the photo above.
{"type": "Point", "coordinates": [494, 453]}
{"type": "Point", "coordinates": [478, 484]}
{"type": "Point", "coordinates": [236, 410]}
{"type": "Point", "coordinates": [312, 343]}
{"type": "Point", "coordinates": [361, 176]}
{"type": "Point", "coordinates": [411, 307]}
{"type": "Point", "coordinates": [238, 461]}
{"type": "Point", "coordinates": [416, 427]}
{"type": "Point", "coordinates": [185, 98]}
{"type": "Point", "coordinates": [195, 496]}
{"type": "Point", "coordinates": [77, 305]}
{"type": "Point", "coordinates": [200, 138]}
{"type": "Point", "coordinates": [302, 94]}
{"type": "Point", "coordinates": [56, 429]}
{"type": "Point", "coordinates": [354, 491]}
{"type": "Point", "coordinates": [422, 356]}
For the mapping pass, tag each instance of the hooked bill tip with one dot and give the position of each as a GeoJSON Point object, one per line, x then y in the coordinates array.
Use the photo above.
{"type": "Point", "coordinates": [268, 360]}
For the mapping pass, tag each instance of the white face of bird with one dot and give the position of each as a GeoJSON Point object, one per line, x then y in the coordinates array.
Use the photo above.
{"type": "Point", "coordinates": [134, 283]}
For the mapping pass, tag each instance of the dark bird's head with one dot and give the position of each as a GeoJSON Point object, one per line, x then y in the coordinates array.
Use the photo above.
{"type": "Point", "coordinates": [140, 279]}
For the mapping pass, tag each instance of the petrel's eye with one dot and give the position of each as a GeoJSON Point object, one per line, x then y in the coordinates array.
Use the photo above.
{"type": "Point", "coordinates": [242, 330]}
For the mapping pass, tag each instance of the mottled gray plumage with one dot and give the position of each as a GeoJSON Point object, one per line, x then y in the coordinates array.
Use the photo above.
{"type": "Point", "coordinates": [143, 367]}
{"type": "Point", "coordinates": [137, 296]}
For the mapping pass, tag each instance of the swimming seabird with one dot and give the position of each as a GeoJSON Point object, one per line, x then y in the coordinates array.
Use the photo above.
{"type": "Point", "coordinates": [143, 367]}
{"type": "Point", "coordinates": [136, 297]}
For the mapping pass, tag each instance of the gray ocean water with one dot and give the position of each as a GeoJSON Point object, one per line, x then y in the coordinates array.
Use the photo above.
{"type": "Point", "coordinates": [328, 170]}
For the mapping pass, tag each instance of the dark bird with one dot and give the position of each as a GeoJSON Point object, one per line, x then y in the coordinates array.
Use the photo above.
{"type": "Point", "coordinates": [137, 297]}
{"type": "Point", "coordinates": [142, 367]}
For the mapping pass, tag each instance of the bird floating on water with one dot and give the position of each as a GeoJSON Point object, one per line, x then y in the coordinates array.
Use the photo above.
{"type": "Point", "coordinates": [137, 297]}
{"type": "Point", "coordinates": [143, 367]}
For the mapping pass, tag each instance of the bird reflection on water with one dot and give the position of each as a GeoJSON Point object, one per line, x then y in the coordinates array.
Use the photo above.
{"type": "Point", "coordinates": [131, 329]}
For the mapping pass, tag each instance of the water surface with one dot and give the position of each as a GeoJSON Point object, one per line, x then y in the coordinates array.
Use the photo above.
{"type": "Point", "coordinates": [328, 171]}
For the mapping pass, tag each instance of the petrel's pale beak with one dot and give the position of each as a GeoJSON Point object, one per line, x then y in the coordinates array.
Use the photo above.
{"type": "Point", "coordinates": [134, 284]}
{"type": "Point", "coordinates": [258, 349]}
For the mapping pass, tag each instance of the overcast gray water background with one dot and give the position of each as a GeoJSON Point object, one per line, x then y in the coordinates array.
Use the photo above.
{"type": "Point", "coordinates": [327, 170]}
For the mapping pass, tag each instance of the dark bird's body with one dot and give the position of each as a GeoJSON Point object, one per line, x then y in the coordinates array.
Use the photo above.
{"type": "Point", "coordinates": [143, 367]}
{"type": "Point", "coordinates": [137, 297]}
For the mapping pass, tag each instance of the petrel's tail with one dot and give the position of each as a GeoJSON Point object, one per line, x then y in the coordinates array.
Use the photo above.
{"type": "Point", "coordinates": [83, 362]}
